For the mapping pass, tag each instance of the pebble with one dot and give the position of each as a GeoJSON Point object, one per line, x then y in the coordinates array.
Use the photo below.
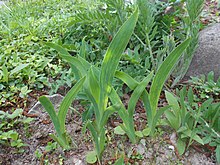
{"type": "Point", "coordinates": [171, 148]}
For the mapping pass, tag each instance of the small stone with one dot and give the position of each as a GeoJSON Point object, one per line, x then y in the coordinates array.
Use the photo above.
{"type": "Point", "coordinates": [55, 99]}
{"type": "Point", "coordinates": [74, 160]}
{"type": "Point", "coordinates": [173, 138]}
{"type": "Point", "coordinates": [38, 134]}
{"type": "Point", "coordinates": [141, 149]}
{"type": "Point", "coordinates": [187, 153]}
{"type": "Point", "coordinates": [130, 152]}
{"type": "Point", "coordinates": [143, 142]}
{"type": "Point", "coordinates": [77, 161]}
{"type": "Point", "coordinates": [171, 148]}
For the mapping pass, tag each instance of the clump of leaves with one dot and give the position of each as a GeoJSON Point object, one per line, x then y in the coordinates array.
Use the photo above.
{"type": "Point", "coordinates": [193, 120]}
{"type": "Point", "coordinates": [210, 125]}
{"type": "Point", "coordinates": [183, 118]}
{"type": "Point", "coordinates": [151, 99]}
{"type": "Point", "coordinates": [206, 87]}
{"type": "Point", "coordinates": [98, 85]}
{"type": "Point", "coordinates": [8, 122]}
{"type": "Point", "coordinates": [93, 94]}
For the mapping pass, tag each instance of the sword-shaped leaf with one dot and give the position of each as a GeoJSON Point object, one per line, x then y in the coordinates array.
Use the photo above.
{"type": "Point", "coordinates": [113, 55]}
{"type": "Point", "coordinates": [67, 102]}
{"type": "Point", "coordinates": [163, 73]}
{"type": "Point", "coordinates": [137, 94]}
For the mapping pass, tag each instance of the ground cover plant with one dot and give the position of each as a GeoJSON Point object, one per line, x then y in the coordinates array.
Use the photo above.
{"type": "Point", "coordinates": [193, 120]}
{"type": "Point", "coordinates": [206, 86]}
{"type": "Point", "coordinates": [24, 62]}
{"type": "Point", "coordinates": [106, 50]}
{"type": "Point", "coordinates": [8, 135]}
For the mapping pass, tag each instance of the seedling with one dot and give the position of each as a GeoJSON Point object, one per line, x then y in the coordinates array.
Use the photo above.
{"type": "Point", "coordinates": [60, 118]}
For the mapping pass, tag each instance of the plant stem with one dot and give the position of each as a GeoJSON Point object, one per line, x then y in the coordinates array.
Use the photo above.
{"type": "Point", "coordinates": [151, 52]}
{"type": "Point", "coordinates": [139, 40]}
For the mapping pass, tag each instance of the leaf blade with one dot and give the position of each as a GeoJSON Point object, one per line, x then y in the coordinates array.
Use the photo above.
{"type": "Point", "coordinates": [113, 55]}
{"type": "Point", "coordinates": [48, 106]}
{"type": "Point", "coordinates": [163, 73]}
{"type": "Point", "coordinates": [18, 68]}
{"type": "Point", "coordinates": [67, 101]}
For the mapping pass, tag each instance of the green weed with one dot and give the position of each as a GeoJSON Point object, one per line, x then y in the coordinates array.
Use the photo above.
{"type": "Point", "coordinates": [8, 122]}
